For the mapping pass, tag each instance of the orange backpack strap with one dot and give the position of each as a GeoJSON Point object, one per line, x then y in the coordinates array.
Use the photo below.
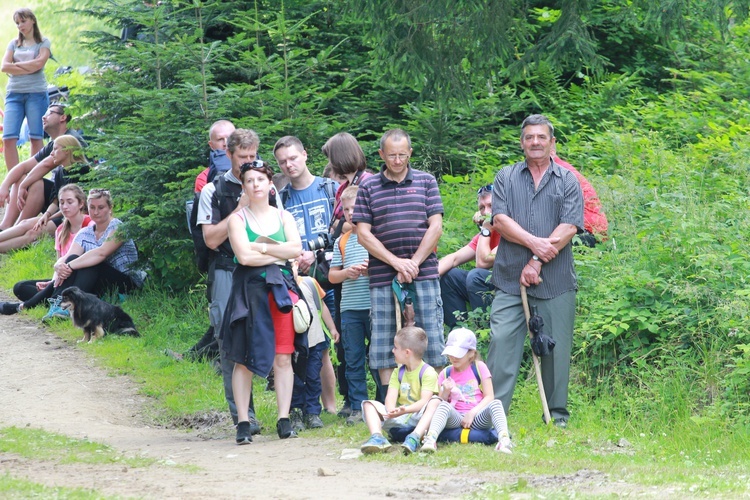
{"type": "Point", "coordinates": [342, 245]}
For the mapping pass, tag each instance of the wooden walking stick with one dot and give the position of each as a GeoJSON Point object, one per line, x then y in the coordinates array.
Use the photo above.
{"type": "Point", "coordinates": [537, 364]}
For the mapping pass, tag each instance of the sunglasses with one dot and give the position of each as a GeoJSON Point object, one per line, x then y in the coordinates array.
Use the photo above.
{"type": "Point", "coordinates": [255, 165]}
{"type": "Point", "coordinates": [484, 189]}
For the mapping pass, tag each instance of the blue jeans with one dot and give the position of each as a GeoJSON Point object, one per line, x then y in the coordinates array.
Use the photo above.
{"type": "Point", "coordinates": [458, 286]}
{"type": "Point", "coordinates": [355, 330]}
{"type": "Point", "coordinates": [306, 393]}
{"type": "Point", "coordinates": [18, 106]}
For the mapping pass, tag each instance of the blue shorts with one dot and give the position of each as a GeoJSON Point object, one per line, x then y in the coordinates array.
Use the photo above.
{"type": "Point", "coordinates": [18, 106]}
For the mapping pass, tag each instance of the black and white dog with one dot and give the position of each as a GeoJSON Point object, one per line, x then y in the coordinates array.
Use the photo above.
{"type": "Point", "coordinates": [95, 316]}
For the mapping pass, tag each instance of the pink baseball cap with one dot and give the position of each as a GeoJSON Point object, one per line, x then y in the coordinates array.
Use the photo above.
{"type": "Point", "coordinates": [459, 342]}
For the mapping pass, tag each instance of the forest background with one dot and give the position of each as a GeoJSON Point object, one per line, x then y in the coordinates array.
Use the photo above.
{"type": "Point", "coordinates": [650, 103]}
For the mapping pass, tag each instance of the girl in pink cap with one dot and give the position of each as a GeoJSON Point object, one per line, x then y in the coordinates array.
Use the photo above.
{"type": "Point", "coordinates": [468, 397]}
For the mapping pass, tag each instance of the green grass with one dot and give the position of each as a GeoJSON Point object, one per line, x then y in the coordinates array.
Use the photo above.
{"type": "Point", "coordinates": [42, 445]}
{"type": "Point", "coordinates": [12, 488]}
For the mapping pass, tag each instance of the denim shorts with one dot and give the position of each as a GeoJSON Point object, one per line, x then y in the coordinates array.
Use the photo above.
{"type": "Point", "coordinates": [18, 106]}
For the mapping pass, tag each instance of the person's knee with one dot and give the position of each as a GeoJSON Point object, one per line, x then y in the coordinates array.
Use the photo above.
{"type": "Point", "coordinates": [496, 404]}
{"type": "Point", "coordinates": [282, 361]}
{"type": "Point", "coordinates": [476, 280]}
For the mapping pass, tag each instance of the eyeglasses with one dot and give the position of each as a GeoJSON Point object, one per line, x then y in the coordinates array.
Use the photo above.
{"type": "Point", "coordinates": [402, 157]}
{"type": "Point", "coordinates": [50, 112]}
{"type": "Point", "coordinates": [484, 189]}
{"type": "Point", "coordinates": [99, 192]}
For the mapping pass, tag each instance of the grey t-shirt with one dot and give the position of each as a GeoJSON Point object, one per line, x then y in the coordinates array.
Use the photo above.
{"type": "Point", "coordinates": [33, 82]}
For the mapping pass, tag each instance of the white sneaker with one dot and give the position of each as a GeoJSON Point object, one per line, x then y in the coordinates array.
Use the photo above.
{"type": "Point", "coordinates": [504, 445]}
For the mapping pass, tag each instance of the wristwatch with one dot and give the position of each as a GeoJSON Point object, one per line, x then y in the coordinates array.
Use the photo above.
{"type": "Point", "coordinates": [485, 232]}
{"type": "Point", "coordinates": [534, 257]}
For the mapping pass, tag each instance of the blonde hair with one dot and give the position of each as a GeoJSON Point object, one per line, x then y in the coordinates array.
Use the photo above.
{"type": "Point", "coordinates": [95, 194]}
{"type": "Point", "coordinates": [70, 145]}
{"type": "Point", "coordinates": [414, 339]}
{"type": "Point", "coordinates": [81, 197]}
{"type": "Point", "coordinates": [350, 193]}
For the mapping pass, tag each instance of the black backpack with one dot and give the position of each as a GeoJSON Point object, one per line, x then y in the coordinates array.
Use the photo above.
{"type": "Point", "coordinates": [227, 204]}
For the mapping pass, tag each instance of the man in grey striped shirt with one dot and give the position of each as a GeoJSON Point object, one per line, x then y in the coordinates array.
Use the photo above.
{"type": "Point", "coordinates": [537, 207]}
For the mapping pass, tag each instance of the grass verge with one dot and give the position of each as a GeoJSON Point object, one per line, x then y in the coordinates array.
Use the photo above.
{"type": "Point", "coordinates": [42, 445]}
{"type": "Point", "coordinates": [12, 488]}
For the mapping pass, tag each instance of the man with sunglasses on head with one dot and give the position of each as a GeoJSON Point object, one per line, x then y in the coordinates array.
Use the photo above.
{"type": "Point", "coordinates": [459, 286]}
{"type": "Point", "coordinates": [24, 190]}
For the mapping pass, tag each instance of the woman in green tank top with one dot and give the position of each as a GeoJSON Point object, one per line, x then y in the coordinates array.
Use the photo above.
{"type": "Point", "coordinates": [262, 235]}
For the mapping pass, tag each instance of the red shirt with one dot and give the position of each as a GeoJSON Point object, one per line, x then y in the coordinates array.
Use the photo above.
{"type": "Point", "coordinates": [594, 220]}
{"type": "Point", "coordinates": [201, 180]}
{"type": "Point", "coordinates": [494, 240]}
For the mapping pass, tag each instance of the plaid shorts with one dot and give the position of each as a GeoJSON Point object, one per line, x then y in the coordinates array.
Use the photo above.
{"type": "Point", "coordinates": [428, 309]}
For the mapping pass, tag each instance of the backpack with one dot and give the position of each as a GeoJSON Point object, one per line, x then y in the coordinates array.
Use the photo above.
{"type": "Point", "coordinates": [402, 370]}
{"type": "Point", "coordinates": [342, 245]}
{"type": "Point", "coordinates": [328, 186]}
{"type": "Point", "coordinates": [474, 368]}
{"type": "Point", "coordinates": [218, 163]}
{"type": "Point", "coordinates": [227, 203]}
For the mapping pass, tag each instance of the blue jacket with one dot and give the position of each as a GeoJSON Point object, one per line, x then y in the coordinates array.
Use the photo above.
{"type": "Point", "coordinates": [247, 330]}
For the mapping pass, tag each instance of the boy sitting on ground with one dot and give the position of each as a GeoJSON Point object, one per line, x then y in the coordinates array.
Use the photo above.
{"type": "Point", "coordinates": [410, 400]}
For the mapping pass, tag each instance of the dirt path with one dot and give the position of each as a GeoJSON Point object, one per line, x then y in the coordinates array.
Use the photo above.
{"type": "Point", "coordinates": [46, 383]}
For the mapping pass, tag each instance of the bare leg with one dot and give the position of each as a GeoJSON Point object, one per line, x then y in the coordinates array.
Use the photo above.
{"type": "Point", "coordinates": [372, 418]}
{"type": "Point", "coordinates": [429, 411]}
{"type": "Point", "coordinates": [11, 209]}
{"type": "Point", "coordinates": [328, 380]}
{"type": "Point", "coordinates": [242, 386]}
{"type": "Point", "coordinates": [36, 145]}
{"type": "Point", "coordinates": [385, 375]}
{"type": "Point", "coordinates": [18, 230]}
{"type": "Point", "coordinates": [34, 201]}
{"type": "Point", "coordinates": [10, 152]}
{"type": "Point", "coordinates": [284, 380]}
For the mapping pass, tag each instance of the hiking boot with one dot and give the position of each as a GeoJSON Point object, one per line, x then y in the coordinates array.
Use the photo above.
{"type": "Point", "coordinates": [254, 425]}
{"type": "Point", "coordinates": [376, 444]}
{"type": "Point", "coordinates": [345, 411]}
{"type": "Point", "coordinates": [284, 429]}
{"type": "Point", "coordinates": [560, 424]}
{"type": "Point", "coordinates": [411, 443]}
{"type": "Point", "coordinates": [55, 311]}
{"type": "Point", "coordinates": [430, 443]}
{"type": "Point", "coordinates": [295, 417]}
{"type": "Point", "coordinates": [354, 418]}
{"type": "Point", "coordinates": [243, 433]}
{"type": "Point", "coordinates": [313, 422]}
{"type": "Point", "coordinates": [504, 445]}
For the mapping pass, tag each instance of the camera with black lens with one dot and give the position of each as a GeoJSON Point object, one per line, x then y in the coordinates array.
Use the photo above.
{"type": "Point", "coordinates": [320, 242]}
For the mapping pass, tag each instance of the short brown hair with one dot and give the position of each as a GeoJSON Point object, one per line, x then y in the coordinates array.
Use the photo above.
{"type": "Point", "coordinates": [414, 339]}
{"type": "Point", "coordinates": [345, 156]}
{"type": "Point", "coordinates": [243, 138]}
{"type": "Point", "coordinates": [287, 142]}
